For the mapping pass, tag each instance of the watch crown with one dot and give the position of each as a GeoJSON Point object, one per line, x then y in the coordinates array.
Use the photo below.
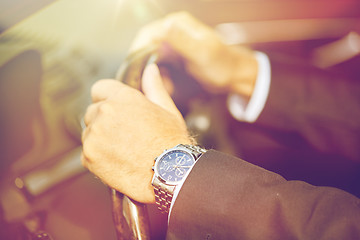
{"type": "Point", "coordinates": [152, 168]}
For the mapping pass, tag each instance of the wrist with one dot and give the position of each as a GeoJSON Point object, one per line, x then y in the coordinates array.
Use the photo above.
{"type": "Point", "coordinates": [244, 72]}
{"type": "Point", "coordinates": [167, 143]}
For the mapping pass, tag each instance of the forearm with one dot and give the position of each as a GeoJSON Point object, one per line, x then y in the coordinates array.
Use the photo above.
{"type": "Point", "coordinates": [319, 105]}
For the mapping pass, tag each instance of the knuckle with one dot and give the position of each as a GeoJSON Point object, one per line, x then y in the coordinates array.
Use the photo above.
{"type": "Point", "coordinates": [98, 85]}
{"type": "Point", "coordinates": [171, 21]}
{"type": "Point", "coordinates": [179, 16]}
{"type": "Point", "coordinates": [177, 24]}
{"type": "Point", "coordinates": [85, 150]}
{"type": "Point", "coordinates": [104, 108]}
{"type": "Point", "coordinates": [104, 87]}
{"type": "Point", "coordinates": [83, 160]}
{"type": "Point", "coordinates": [89, 114]}
{"type": "Point", "coordinates": [88, 155]}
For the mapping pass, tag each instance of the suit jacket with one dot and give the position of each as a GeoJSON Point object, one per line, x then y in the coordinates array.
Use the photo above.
{"type": "Point", "coordinates": [228, 198]}
{"type": "Point", "coordinates": [309, 130]}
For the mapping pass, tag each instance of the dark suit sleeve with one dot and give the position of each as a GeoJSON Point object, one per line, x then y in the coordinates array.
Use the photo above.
{"type": "Point", "coordinates": [227, 198]}
{"type": "Point", "coordinates": [321, 106]}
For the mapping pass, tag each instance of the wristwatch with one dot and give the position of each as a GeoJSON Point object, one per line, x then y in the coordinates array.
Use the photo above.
{"type": "Point", "coordinates": [170, 169]}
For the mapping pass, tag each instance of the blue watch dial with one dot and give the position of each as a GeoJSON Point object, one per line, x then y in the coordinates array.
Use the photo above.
{"type": "Point", "coordinates": [173, 166]}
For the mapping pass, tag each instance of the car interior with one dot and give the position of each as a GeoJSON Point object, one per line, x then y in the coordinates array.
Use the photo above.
{"type": "Point", "coordinates": [52, 51]}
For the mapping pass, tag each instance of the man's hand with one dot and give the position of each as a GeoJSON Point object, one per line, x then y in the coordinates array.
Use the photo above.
{"type": "Point", "coordinates": [218, 67]}
{"type": "Point", "coordinates": [126, 130]}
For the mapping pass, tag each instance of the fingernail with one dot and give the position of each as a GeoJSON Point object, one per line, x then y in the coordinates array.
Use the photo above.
{"type": "Point", "coordinates": [152, 59]}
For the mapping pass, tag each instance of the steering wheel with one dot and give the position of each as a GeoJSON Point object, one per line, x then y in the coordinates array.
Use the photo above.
{"type": "Point", "coordinates": [202, 111]}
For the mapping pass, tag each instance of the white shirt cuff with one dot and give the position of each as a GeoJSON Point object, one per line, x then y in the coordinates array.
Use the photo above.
{"type": "Point", "coordinates": [250, 111]}
{"type": "Point", "coordinates": [177, 190]}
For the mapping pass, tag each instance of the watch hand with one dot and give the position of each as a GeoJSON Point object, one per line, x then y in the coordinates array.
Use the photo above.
{"type": "Point", "coordinates": [181, 166]}
{"type": "Point", "coordinates": [179, 160]}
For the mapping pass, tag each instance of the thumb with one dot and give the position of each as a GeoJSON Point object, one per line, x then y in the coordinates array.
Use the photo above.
{"type": "Point", "coordinates": [154, 89]}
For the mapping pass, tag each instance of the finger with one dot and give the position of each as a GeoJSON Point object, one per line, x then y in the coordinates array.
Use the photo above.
{"type": "Point", "coordinates": [154, 89]}
{"type": "Point", "coordinates": [202, 43]}
{"type": "Point", "coordinates": [150, 34]}
{"type": "Point", "coordinates": [199, 38]}
{"type": "Point", "coordinates": [91, 113]}
{"type": "Point", "coordinates": [85, 133]}
{"type": "Point", "coordinates": [83, 159]}
{"type": "Point", "coordinates": [175, 29]}
{"type": "Point", "coordinates": [104, 89]}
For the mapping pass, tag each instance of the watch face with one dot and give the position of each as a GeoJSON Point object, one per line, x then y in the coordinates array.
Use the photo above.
{"type": "Point", "coordinates": [173, 166]}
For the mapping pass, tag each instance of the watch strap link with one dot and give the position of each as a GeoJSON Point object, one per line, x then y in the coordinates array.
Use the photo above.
{"type": "Point", "coordinates": [163, 199]}
{"type": "Point", "coordinates": [196, 150]}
